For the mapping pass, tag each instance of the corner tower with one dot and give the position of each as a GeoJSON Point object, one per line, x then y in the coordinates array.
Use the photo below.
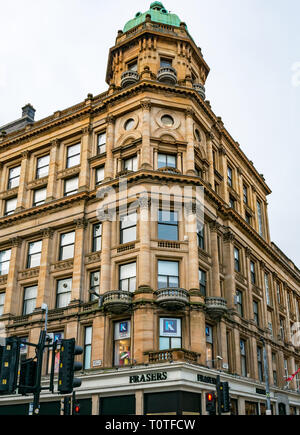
{"type": "Point", "coordinates": [156, 45]}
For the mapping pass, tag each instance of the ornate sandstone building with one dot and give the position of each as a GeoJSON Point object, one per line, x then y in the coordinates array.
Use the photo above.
{"type": "Point", "coordinates": [178, 307]}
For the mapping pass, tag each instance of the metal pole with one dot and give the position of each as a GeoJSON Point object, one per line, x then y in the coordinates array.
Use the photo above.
{"type": "Point", "coordinates": [266, 367]}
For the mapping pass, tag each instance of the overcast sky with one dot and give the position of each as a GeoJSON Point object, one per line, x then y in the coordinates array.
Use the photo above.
{"type": "Point", "coordinates": [54, 52]}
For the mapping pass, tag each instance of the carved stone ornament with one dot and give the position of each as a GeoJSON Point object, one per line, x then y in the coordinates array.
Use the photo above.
{"type": "Point", "coordinates": [146, 105]}
{"type": "Point", "coordinates": [81, 223]}
{"type": "Point", "coordinates": [214, 226]}
{"type": "Point", "coordinates": [110, 119]}
{"type": "Point", "coordinates": [47, 233]}
{"type": "Point", "coordinates": [228, 237]}
{"type": "Point", "coordinates": [248, 252]}
{"type": "Point", "coordinates": [16, 241]}
{"type": "Point", "coordinates": [189, 112]}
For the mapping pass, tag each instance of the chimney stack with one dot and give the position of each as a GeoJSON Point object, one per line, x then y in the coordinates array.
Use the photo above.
{"type": "Point", "coordinates": [28, 112]}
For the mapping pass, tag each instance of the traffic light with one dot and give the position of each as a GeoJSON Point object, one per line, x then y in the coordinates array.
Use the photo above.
{"type": "Point", "coordinates": [210, 399]}
{"type": "Point", "coordinates": [224, 397]}
{"type": "Point", "coordinates": [27, 381]}
{"type": "Point", "coordinates": [67, 406]}
{"type": "Point", "coordinates": [76, 408]}
{"type": "Point", "coordinates": [9, 366]}
{"type": "Point", "coordinates": [67, 366]}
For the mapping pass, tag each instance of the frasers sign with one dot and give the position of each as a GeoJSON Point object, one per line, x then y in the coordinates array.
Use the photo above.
{"type": "Point", "coordinates": [149, 377]}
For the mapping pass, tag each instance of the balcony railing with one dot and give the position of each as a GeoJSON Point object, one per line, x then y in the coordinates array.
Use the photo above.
{"type": "Point", "coordinates": [129, 78]}
{"type": "Point", "coordinates": [117, 302]}
{"type": "Point", "coordinates": [216, 307]}
{"type": "Point", "coordinates": [172, 299]}
{"type": "Point", "coordinates": [167, 75]}
{"type": "Point", "coordinates": [172, 355]}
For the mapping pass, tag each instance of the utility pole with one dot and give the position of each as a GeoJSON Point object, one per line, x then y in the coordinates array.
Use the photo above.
{"type": "Point", "coordinates": [266, 368]}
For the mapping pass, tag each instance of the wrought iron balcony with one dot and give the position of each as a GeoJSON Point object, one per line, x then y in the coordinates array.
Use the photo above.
{"type": "Point", "coordinates": [172, 299]}
{"type": "Point", "coordinates": [129, 78]}
{"type": "Point", "coordinates": [216, 307]}
{"type": "Point", "coordinates": [117, 302]}
{"type": "Point", "coordinates": [200, 89]}
{"type": "Point", "coordinates": [167, 75]}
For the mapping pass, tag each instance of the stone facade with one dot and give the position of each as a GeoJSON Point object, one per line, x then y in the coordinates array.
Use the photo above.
{"type": "Point", "coordinates": [247, 288]}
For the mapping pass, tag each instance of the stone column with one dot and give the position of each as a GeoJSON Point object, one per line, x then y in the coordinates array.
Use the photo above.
{"type": "Point", "coordinates": [145, 251]}
{"type": "Point", "coordinates": [236, 351]}
{"type": "Point", "coordinates": [146, 133]}
{"type": "Point", "coordinates": [222, 342]}
{"type": "Point", "coordinates": [249, 285]}
{"type": "Point", "coordinates": [105, 276]}
{"type": "Point", "coordinates": [142, 333]}
{"type": "Point", "coordinates": [197, 333]}
{"type": "Point", "coordinates": [216, 287]}
{"type": "Point", "coordinates": [252, 360]}
{"type": "Point", "coordinates": [211, 169]}
{"type": "Point", "coordinates": [78, 267]}
{"type": "Point", "coordinates": [98, 339]}
{"type": "Point", "coordinates": [229, 281]}
{"type": "Point", "coordinates": [84, 176]}
{"type": "Point", "coordinates": [52, 180]}
{"type": "Point", "coordinates": [12, 295]}
{"type": "Point", "coordinates": [44, 290]}
{"type": "Point", "coordinates": [110, 135]}
{"type": "Point", "coordinates": [23, 182]}
{"type": "Point", "coordinates": [264, 299]}
{"type": "Point", "coordinates": [139, 402]}
{"type": "Point", "coordinates": [190, 154]}
{"type": "Point", "coordinates": [224, 190]}
{"type": "Point", "coordinates": [95, 404]}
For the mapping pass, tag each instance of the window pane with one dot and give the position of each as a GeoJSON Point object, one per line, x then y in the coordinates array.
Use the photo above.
{"type": "Point", "coordinates": [43, 161]}
{"type": "Point", "coordinates": [176, 343]}
{"type": "Point", "coordinates": [128, 220]}
{"type": "Point", "coordinates": [168, 232]}
{"type": "Point", "coordinates": [74, 150]}
{"type": "Point", "coordinates": [168, 268]}
{"type": "Point", "coordinates": [64, 285]}
{"type": "Point", "coordinates": [128, 235]}
{"type": "Point", "coordinates": [99, 174]}
{"type": "Point", "coordinates": [67, 252]}
{"type": "Point", "coordinates": [164, 343]}
{"type": "Point", "coordinates": [40, 196]}
{"type": "Point", "coordinates": [128, 271]}
{"type": "Point", "coordinates": [10, 205]}
{"type": "Point", "coordinates": [67, 238]}
{"type": "Point", "coordinates": [71, 185]}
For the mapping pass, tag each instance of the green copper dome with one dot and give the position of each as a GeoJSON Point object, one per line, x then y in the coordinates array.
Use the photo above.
{"type": "Point", "coordinates": [158, 14]}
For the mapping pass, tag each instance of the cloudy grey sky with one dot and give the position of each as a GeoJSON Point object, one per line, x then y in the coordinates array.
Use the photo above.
{"type": "Point", "coordinates": [54, 52]}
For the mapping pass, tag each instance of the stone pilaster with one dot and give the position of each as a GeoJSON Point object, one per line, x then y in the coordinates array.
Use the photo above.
{"type": "Point", "coordinates": [190, 155]}
{"type": "Point", "coordinates": [143, 336]}
{"type": "Point", "coordinates": [110, 134]}
{"type": "Point", "coordinates": [105, 278]}
{"type": "Point", "coordinates": [144, 256]}
{"type": "Point", "coordinates": [52, 179]}
{"type": "Point", "coordinates": [44, 288]}
{"type": "Point", "coordinates": [84, 176]}
{"type": "Point", "coordinates": [211, 171]}
{"type": "Point", "coordinates": [21, 201]}
{"type": "Point", "coordinates": [224, 190]}
{"type": "Point", "coordinates": [193, 260]}
{"type": "Point", "coordinates": [78, 269]}
{"type": "Point", "coordinates": [216, 287]}
{"type": "Point", "coordinates": [146, 132]}
{"type": "Point", "coordinates": [12, 295]}
{"type": "Point", "coordinates": [229, 281]}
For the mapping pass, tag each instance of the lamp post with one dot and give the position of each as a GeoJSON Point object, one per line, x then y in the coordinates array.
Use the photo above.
{"type": "Point", "coordinates": [266, 367]}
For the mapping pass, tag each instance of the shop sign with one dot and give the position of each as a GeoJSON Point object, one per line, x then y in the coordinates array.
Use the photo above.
{"type": "Point", "coordinates": [148, 377]}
